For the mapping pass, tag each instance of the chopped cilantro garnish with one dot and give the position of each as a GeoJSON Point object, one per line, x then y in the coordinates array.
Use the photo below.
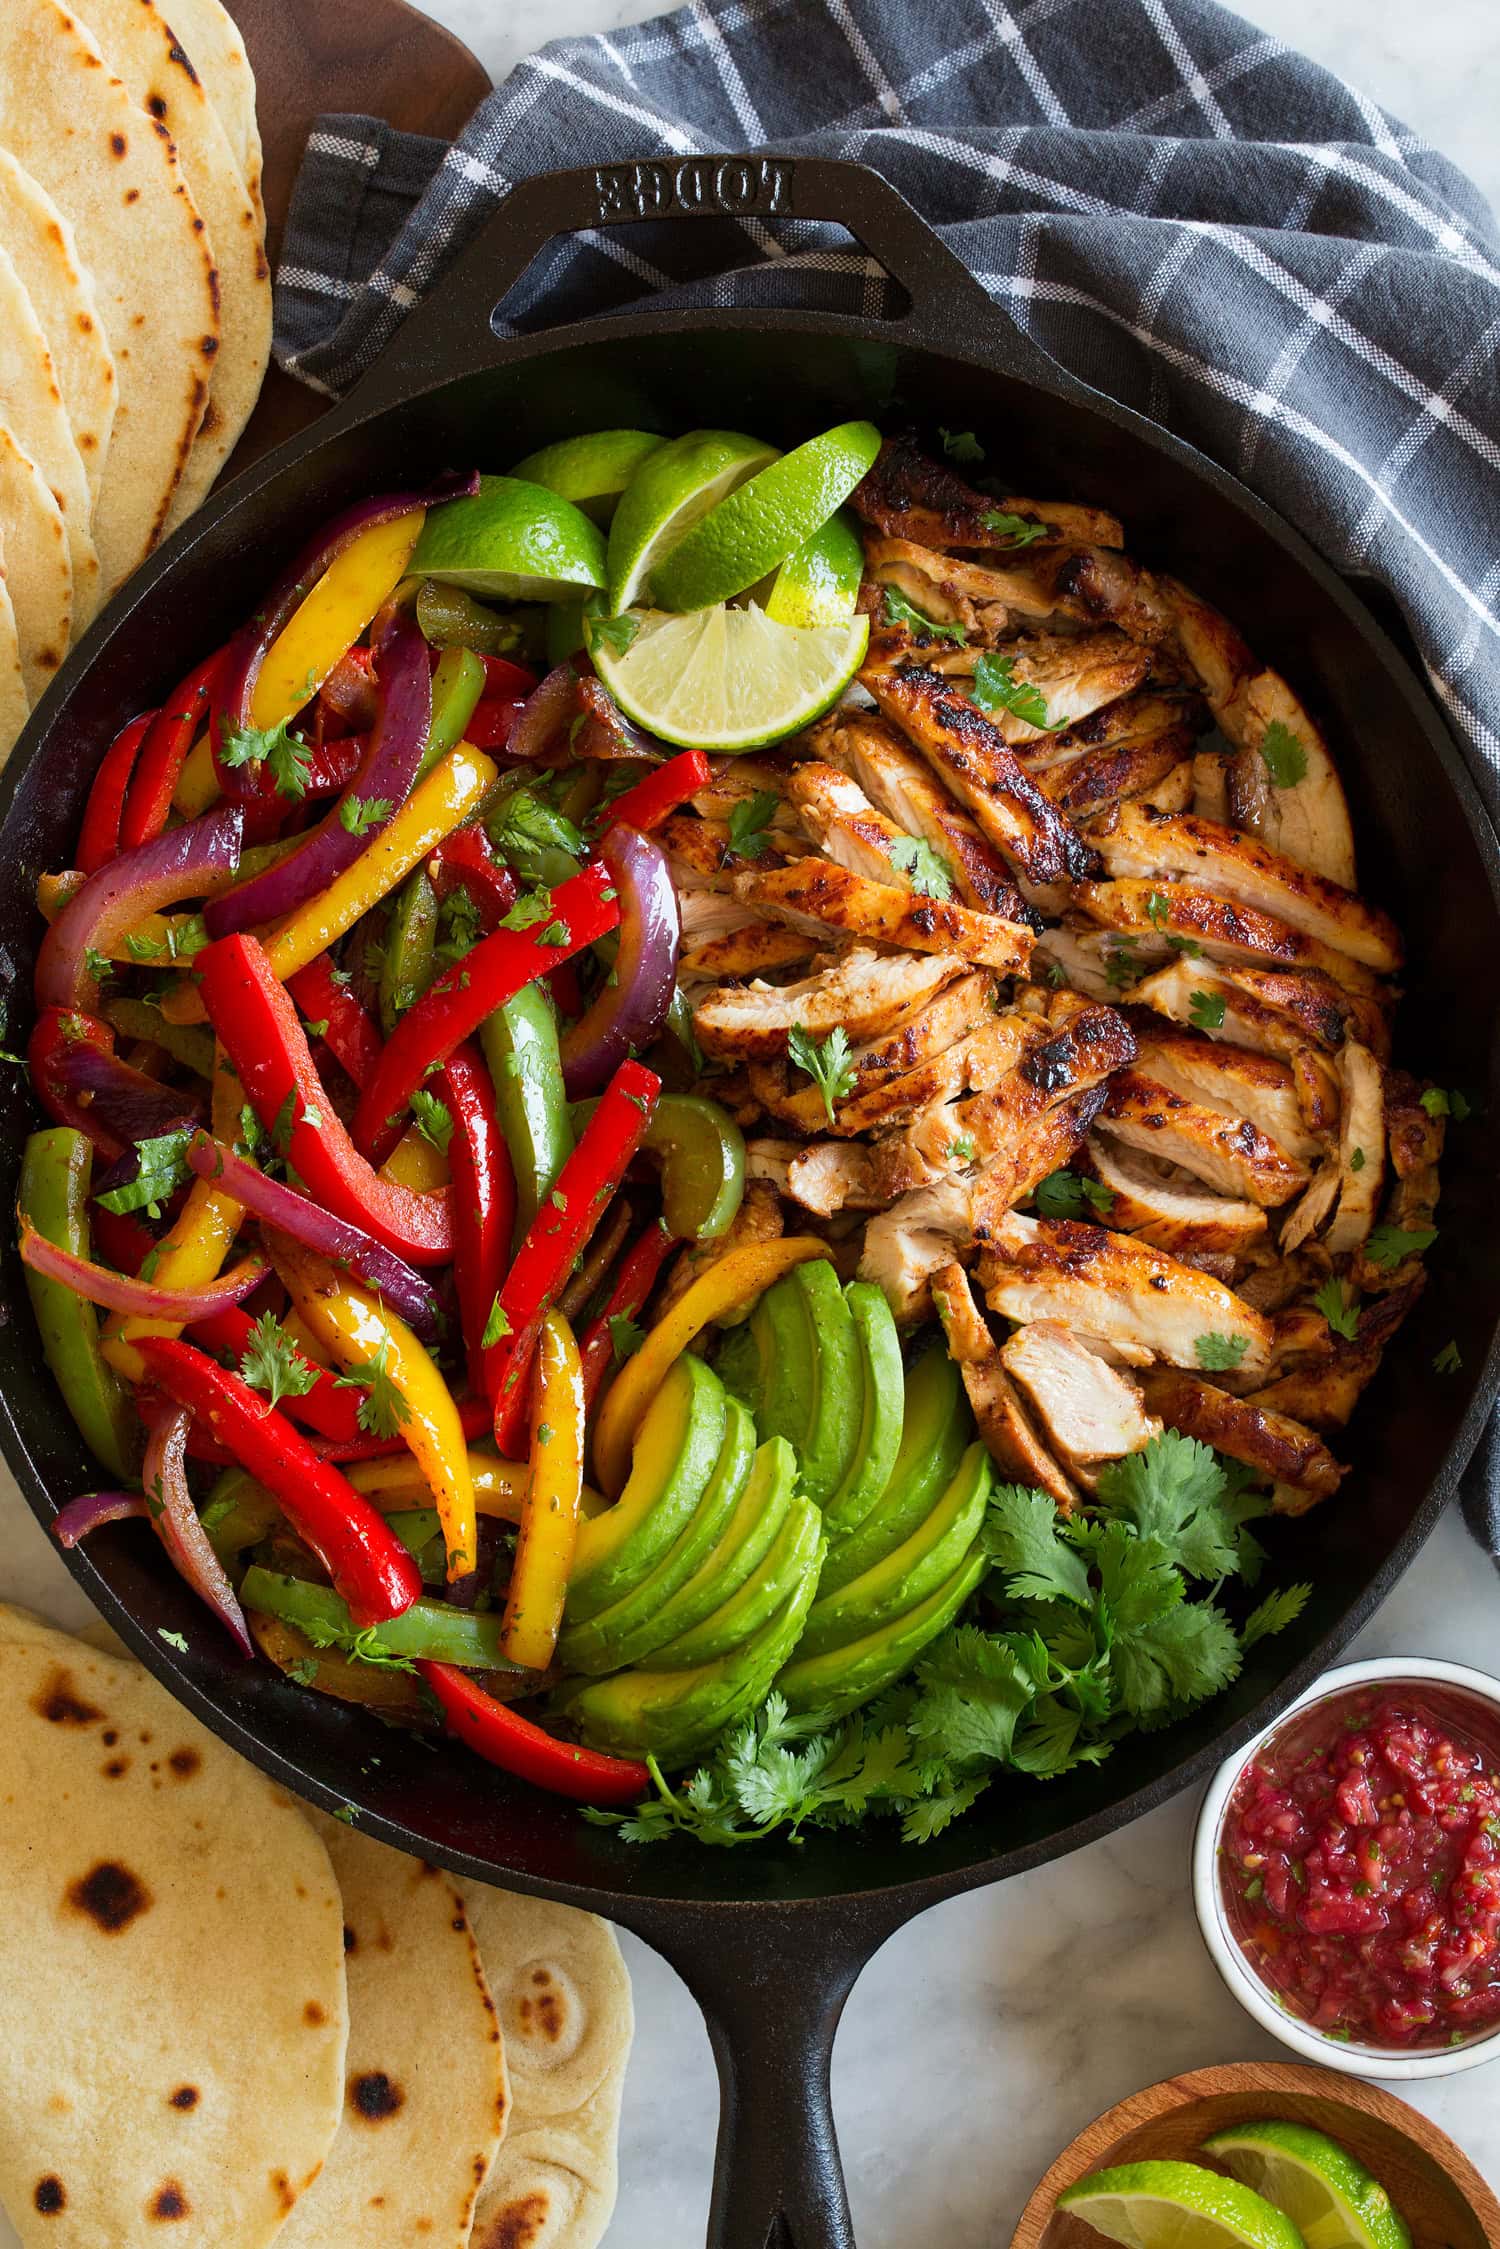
{"type": "Point", "coordinates": [1282, 755]}
{"type": "Point", "coordinates": [826, 1061]}
{"type": "Point", "coordinates": [996, 688]}
{"type": "Point", "coordinates": [923, 867]}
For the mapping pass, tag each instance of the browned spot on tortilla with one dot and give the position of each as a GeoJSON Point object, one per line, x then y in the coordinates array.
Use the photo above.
{"type": "Point", "coordinates": [517, 2226]}
{"type": "Point", "coordinates": [374, 2096]}
{"type": "Point", "coordinates": [117, 143]}
{"type": "Point", "coordinates": [186, 2096]}
{"type": "Point", "coordinates": [50, 2195]}
{"type": "Point", "coordinates": [110, 1895]}
{"type": "Point", "coordinates": [351, 1941]}
{"type": "Point", "coordinates": [548, 2012]}
{"type": "Point", "coordinates": [156, 103]}
{"type": "Point", "coordinates": [60, 1703]}
{"type": "Point", "coordinates": [184, 1763]}
{"type": "Point", "coordinates": [210, 344]}
{"type": "Point", "coordinates": [457, 1922]}
{"type": "Point", "coordinates": [132, 195]}
{"type": "Point", "coordinates": [281, 2187]}
{"type": "Point", "coordinates": [109, 1737]}
{"type": "Point", "coordinates": [115, 1767]}
{"type": "Point", "coordinates": [313, 2015]}
{"type": "Point", "coordinates": [146, 1737]}
{"type": "Point", "coordinates": [168, 2203]}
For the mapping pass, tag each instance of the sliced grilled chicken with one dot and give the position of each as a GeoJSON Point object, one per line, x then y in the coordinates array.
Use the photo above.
{"type": "Point", "coordinates": [1128, 1298]}
{"type": "Point", "coordinates": [1087, 1409]}
{"type": "Point", "coordinates": [735, 781]}
{"type": "Point", "coordinates": [973, 758]}
{"type": "Point", "coordinates": [982, 596]}
{"type": "Point", "coordinates": [910, 496]}
{"type": "Point", "coordinates": [770, 1160]}
{"type": "Point", "coordinates": [1306, 816]}
{"type": "Point", "coordinates": [1361, 1150]}
{"type": "Point", "coordinates": [1206, 922]}
{"type": "Point", "coordinates": [1315, 1209]}
{"type": "Point", "coordinates": [1076, 953]}
{"type": "Point", "coordinates": [698, 851]}
{"type": "Point", "coordinates": [1014, 1445]}
{"type": "Point", "coordinates": [747, 947]}
{"type": "Point", "coordinates": [813, 894]}
{"type": "Point", "coordinates": [1162, 1206]}
{"type": "Point", "coordinates": [758, 1219]}
{"type": "Point", "coordinates": [915, 1238]}
{"type": "Point", "coordinates": [844, 823]}
{"type": "Point", "coordinates": [918, 1038]}
{"type": "Point", "coordinates": [1014, 1136]}
{"type": "Point", "coordinates": [1181, 847]}
{"type": "Point", "coordinates": [1211, 787]}
{"type": "Point", "coordinates": [869, 995]}
{"type": "Point", "coordinates": [828, 1176]}
{"type": "Point", "coordinates": [1416, 1143]}
{"type": "Point", "coordinates": [1297, 1461]}
{"type": "Point", "coordinates": [1324, 1388]}
{"type": "Point", "coordinates": [1211, 997]}
{"type": "Point", "coordinates": [1094, 781]}
{"type": "Point", "coordinates": [1227, 1077]}
{"type": "Point", "coordinates": [1226, 1152]}
{"type": "Point", "coordinates": [1077, 675]}
{"type": "Point", "coordinates": [1069, 1051]}
{"type": "Point", "coordinates": [868, 747]}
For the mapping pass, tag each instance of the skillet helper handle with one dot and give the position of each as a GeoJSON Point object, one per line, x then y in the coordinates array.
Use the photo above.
{"type": "Point", "coordinates": [453, 333]}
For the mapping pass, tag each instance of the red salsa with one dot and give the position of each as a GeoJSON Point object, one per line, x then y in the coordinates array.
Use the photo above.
{"type": "Point", "coordinates": [1360, 1866]}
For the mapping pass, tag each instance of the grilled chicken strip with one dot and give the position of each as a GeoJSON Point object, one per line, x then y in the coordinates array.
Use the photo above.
{"type": "Point", "coordinates": [1324, 1388]}
{"type": "Point", "coordinates": [870, 995]}
{"type": "Point", "coordinates": [736, 781]}
{"type": "Point", "coordinates": [1014, 1445]}
{"type": "Point", "coordinates": [1174, 1213]}
{"type": "Point", "coordinates": [915, 1238]}
{"type": "Point", "coordinates": [1202, 853]}
{"type": "Point", "coordinates": [920, 1038]}
{"type": "Point", "coordinates": [813, 893]}
{"type": "Point", "coordinates": [1226, 1152]}
{"type": "Point", "coordinates": [1075, 953]}
{"type": "Point", "coordinates": [748, 946]}
{"type": "Point", "coordinates": [981, 769]}
{"type": "Point", "coordinates": [1114, 1289]}
{"type": "Point", "coordinates": [1227, 1077]}
{"type": "Point", "coordinates": [1210, 997]}
{"type": "Point", "coordinates": [1298, 1462]}
{"type": "Point", "coordinates": [1077, 675]}
{"type": "Point", "coordinates": [1221, 928]}
{"type": "Point", "coordinates": [870, 749]}
{"type": "Point", "coordinates": [1087, 1409]}
{"type": "Point", "coordinates": [910, 496]}
{"type": "Point", "coordinates": [1361, 1155]}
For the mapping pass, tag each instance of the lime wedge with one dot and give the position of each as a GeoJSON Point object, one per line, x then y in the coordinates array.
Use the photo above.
{"type": "Point", "coordinates": [819, 584]}
{"type": "Point", "coordinates": [676, 485]}
{"type": "Point", "coordinates": [755, 528]}
{"type": "Point", "coordinates": [596, 467]}
{"type": "Point", "coordinates": [513, 541]}
{"type": "Point", "coordinates": [1327, 2192]}
{"type": "Point", "coordinates": [727, 679]}
{"type": "Point", "coordinates": [1177, 2206]}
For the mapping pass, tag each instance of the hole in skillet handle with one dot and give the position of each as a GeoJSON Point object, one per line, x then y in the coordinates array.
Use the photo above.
{"type": "Point", "coordinates": [453, 333]}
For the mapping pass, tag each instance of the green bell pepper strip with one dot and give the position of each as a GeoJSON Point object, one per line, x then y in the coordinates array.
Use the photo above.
{"type": "Point", "coordinates": [702, 1155]}
{"type": "Point", "coordinates": [55, 1172]}
{"type": "Point", "coordinates": [237, 1514]}
{"type": "Point", "coordinates": [520, 1046]}
{"type": "Point", "coordinates": [457, 685]}
{"type": "Point", "coordinates": [452, 619]}
{"type": "Point", "coordinates": [187, 1043]}
{"type": "Point", "coordinates": [434, 1629]}
{"type": "Point", "coordinates": [421, 1533]}
{"type": "Point", "coordinates": [409, 960]}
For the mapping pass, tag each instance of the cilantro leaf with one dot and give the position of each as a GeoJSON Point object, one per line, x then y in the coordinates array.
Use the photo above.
{"type": "Point", "coordinates": [1183, 1656]}
{"type": "Point", "coordinates": [1158, 909]}
{"type": "Point", "coordinates": [1449, 1360]}
{"type": "Point", "coordinates": [287, 759]}
{"type": "Point", "coordinates": [1339, 1305]}
{"type": "Point", "coordinates": [924, 868]}
{"type": "Point", "coordinates": [995, 688]}
{"type": "Point", "coordinates": [434, 1119]}
{"type": "Point", "coordinates": [626, 1336]}
{"type": "Point", "coordinates": [900, 611]}
{"type": "Point", "coordinates": [1021, 530]}
{"type": "Point", "coordinates": [1275, 1613]}
{"type": "Point", "coordinates": [1206, 1010]}
{"type": "Point", "coordinates": [271, 1362]}
{"type": "Point", "coordinates": [358, 815]}
{"type": "Point", "coordinates": [383, 1409]}
{"type": "Point", "coordinates": [161, 1168]}
{"type": "Point", "coordinates": [496, 1327]}
{"type": "Point", "coordinates": [1176, 1491]}
{"type": "Point", "coordinates": [1067, 1194]}
{"type": "Point", "coordinates": [617, 634]}
{"type": "Point", "coordinates": [963, 446]}
{"type": "Point", "coordinates": [531, 907]}
{"type": "Point", "coordinates": [1022, 1539]}
{"type": "Point", "coordinates": [523, 821]}
{"type": "Point", "coordinates": [826, 1061]}
{"type": "Point", "coordinates": [1389, 1245]}
{"type": "Point", "coordinates": [1122, 965]}
{"type": "Point", "coordinates": [1218, 1353]}
{"type": "Point", "coordinates": [749, 824]}
{"type": "Point", "coordinates": [1283, 755]}
{"type": "Point", "coordinates": [175, 1640]}
{"type": "Point", "coordinates": [975, 1687]}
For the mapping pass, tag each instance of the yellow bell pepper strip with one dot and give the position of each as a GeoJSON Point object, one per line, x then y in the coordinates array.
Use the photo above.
{"type": "Point", "coordinates": [366, 1338]}
{"type": "Point", "coordinates": [416, 1163]}
{"type": "Point", "coordinates": [549, 1518]}
{"type": "Point", "coordinates": [332, 617]}
{"type": "Point", "coordinates": [198, 782]}
{"type": "Point", "coordinates": [742, 1273]}
{"type": "Point", "coordinates": [500, 1486]}
{"type": "Point", "coordinates": [186, 1043]}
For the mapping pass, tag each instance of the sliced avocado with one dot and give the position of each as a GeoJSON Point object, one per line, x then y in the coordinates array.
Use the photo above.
{"type": "Point", "coordinates": [916, 1568]}
{"type": "Point", "coordinates": [842, 1678]}
{"type": "Point", "coordinates": [675, 1450]}
{"type": "Point", "coordinates": [743, 1545]}
{"type": "Point", "coordinates": [626, 1630]}
{"type": "Point", "coordinates": [810, 1374]}
{"type": "Point", "coordinates": [796, 1550]}
{"type": "Point", "coordinates": [881, 1405]}
{"type": "Point", "coordinates": [936, 1427]}
{"type": "Point", "coordinates": [671, 1715]}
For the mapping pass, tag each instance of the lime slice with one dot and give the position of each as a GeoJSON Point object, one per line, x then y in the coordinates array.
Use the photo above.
{"type": "Point", "coordinates": [512, 540]}
{"type": "Point", "coordinates": [1178, 2206]}
{"type": "Point", "coordinates": [727, 679]}
{"type": "Point", "coordinates": [756, 527]}
{"type": "Point", "coordinates": [819, 584]}
{"type": "Point", "coordinates": [1332, 2199]}
{"type": "Point", "coordinates": [679, 483]}
{"type": "Point", "coordinates": [596, 467]}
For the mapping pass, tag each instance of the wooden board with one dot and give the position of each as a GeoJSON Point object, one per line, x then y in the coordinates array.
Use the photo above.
{"type": "Point", "coordinates": [1430, 2180]}
{"type": "Point", "coordinates": [378, 57]}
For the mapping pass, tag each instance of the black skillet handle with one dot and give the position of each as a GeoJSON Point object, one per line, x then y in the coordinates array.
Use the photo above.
{"type": "Point", "coordinates": [453, 333]}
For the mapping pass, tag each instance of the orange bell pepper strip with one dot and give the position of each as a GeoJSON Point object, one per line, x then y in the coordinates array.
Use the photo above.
{"type": "Point", "coordinates": [549, 1517]}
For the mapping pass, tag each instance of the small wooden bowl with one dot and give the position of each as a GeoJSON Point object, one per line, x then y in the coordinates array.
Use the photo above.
{"type": "Point", "coordinates": [1431, 2181]}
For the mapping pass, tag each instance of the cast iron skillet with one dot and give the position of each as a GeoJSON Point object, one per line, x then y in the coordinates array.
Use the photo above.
{"type": "Point", "coordinates": [770, 1938]}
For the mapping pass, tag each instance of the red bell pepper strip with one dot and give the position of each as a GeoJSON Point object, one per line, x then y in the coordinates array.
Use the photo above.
{"type": "Point", "coordinates": [634, 1281]}
{"type": "Point", "coordinates": [332, 1412]}
{"type": "Point", "coordinates": [503, 1737]}
{"type": "Point", "coordinates": [647, 804]}
{"type": "Point", "coordinates": [332, 765]}
{"type": "Point", "coordinates": [368, 1564]}
{"type": "Point", "coordinates": [171, 735]}
{"type": "Point", "coordinates": [122, 1241]}
{"type": "Point", "coordinates": [257, 1026]}
{"type": "Point", "coordinates": [559, 1231]}
{"type": "Point", "coordinates": [474, 1417]}
{"type": "Point", "coordinates": [99, 836]}
{"type": "Point", "coordinates": [352, 1036]}
{"type": "Point", "coordinates": [583, 909]}
{"type": "Point", "coordinates": [491, 723]}
{"type": "Point", "coordinates": [510, 682]}
{"type": "Point", "coordinates": [484, 1201]}
{"type": "Point", "coordinates": [465, 861]}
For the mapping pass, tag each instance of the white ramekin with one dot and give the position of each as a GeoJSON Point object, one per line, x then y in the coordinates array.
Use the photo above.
{"type": "Point", "coordinates": [1399, 2065]}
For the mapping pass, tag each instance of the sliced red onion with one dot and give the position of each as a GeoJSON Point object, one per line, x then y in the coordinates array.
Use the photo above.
{"type": "Point", "coordinates": [250, 646]}
{"type": "Point", "coordinates": [606, 732]}
{"type": "Point", "coordinates": [544, 719]}
{"type": "Point", "coordinates": [349, 689]}
{"type": "Point", "coordinates": [113, 1104]}
{"type": "Point", "coordinates": [170, 1503]}
{"type": "Point", "coordinates": [91, 1510]}
{"type": "Point", "coordinates": [118, 1292]}
{"type": "Point", "coordinates": [179, 863]}
{"type": "Point", "coordinates": [317, 1229]}
{"type": "Point", "coordinates": [397, 741]}
{"type": "Point", "coordinates": [627, 1014]}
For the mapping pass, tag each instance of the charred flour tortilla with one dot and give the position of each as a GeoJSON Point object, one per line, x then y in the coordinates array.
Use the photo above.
{"type": "Point", "coordinates": [41, 245]}
{"type": "Point", "coordinates": [562, 1992]}
{"type": "Point", "coordinates": [38, 572]}
{"type": "Point", "coordinates": [172, 1997]}
{"type": "Point", "coordinates": [424, 2084]}
{"type": "Point", "coordinates": [110, 168]}
{"type": "Point", "coordinates": [33, 407]}
{"type": "Point", "coordinates": [217, 53]}
{"type": "Point", "coordinates": [14, 702]}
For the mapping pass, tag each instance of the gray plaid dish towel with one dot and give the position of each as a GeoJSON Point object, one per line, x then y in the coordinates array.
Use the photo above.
{"type": "Point", "coordinates": [1182, 210]}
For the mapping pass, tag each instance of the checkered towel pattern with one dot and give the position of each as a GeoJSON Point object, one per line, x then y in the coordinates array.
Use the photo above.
{"type": "Point", "coordinates": [1182, 210]}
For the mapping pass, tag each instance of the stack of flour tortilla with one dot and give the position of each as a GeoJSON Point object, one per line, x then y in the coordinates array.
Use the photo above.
{"type": "Point", "coordinates": [226, 2021]}
{"type": "Point", "coordinates": [135, 300]}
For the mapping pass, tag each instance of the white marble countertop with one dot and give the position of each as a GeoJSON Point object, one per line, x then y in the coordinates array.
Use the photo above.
{"type": "Point", "coordinates": [989, 2032]}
